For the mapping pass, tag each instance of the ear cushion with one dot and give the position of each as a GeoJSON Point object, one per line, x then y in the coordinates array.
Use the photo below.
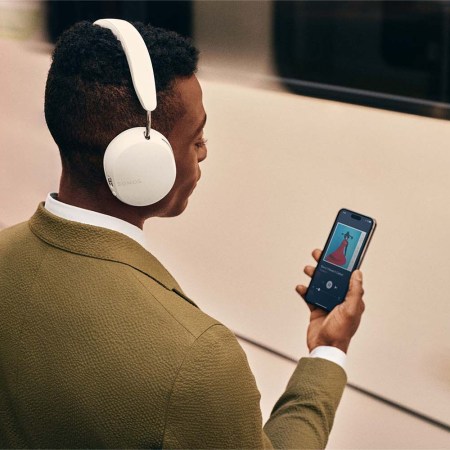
{"type": "Point", "coordinates": [139, 172]}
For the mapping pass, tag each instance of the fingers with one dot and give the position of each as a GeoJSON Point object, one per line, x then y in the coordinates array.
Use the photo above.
{"type": "Point", "coordinates": [309, 270]}
{"type": "Point", "coordinates": [316, 254]}
{"type": "Point", "coordinates": [302, 291]}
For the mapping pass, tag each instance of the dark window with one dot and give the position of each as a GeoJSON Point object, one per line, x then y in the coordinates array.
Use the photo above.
{"type": "Point", "coordinates": [387, 54]}
{"type": "Point", "coordinates": [173, 15]}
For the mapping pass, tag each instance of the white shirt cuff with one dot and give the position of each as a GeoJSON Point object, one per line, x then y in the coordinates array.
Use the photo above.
{"type": "Point", "coordinates": [333, 354]}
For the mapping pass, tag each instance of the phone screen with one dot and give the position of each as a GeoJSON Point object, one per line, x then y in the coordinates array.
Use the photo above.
{"type": "Point", "coordinates": [342, 254]}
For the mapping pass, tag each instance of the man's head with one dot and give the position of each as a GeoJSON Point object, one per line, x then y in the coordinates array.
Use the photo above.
{"type": "Point", "coordinates": [90, 99]}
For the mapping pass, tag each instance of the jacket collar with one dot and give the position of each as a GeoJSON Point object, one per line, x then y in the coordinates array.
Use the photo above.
{"type": "Point", "coordinates": [74, 213]}
{"type": "Point", "coordinates": [101, 243]}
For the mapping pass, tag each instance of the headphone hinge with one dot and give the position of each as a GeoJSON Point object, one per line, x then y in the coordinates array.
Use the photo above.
{"type": "Point", "coordinates": [148, 125]}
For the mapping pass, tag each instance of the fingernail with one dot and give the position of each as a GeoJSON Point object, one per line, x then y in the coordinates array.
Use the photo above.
{"type": "Point", "coordinates": [358, 275]}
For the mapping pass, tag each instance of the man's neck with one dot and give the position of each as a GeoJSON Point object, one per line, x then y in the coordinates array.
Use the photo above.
{"type": "Point", "coordinates": [101, 201]}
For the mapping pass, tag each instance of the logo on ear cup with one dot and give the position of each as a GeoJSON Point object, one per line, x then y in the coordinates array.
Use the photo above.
{"type": "Point", "coordinates": [128, 182]}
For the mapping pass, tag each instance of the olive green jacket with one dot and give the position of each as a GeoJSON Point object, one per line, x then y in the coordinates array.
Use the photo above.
{"type": "Point", "coordinates": [100, 348]}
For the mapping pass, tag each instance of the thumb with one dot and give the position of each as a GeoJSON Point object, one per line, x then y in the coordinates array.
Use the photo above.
{"type": "Point", "coordinates": [355, 291]}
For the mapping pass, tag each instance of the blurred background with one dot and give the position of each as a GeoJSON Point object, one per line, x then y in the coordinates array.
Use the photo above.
{"type": "Point", "coordinates": [312, 106]}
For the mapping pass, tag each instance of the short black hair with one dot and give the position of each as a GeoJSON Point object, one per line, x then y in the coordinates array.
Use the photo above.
{"type": "Point", "coordinates": [90, 98]}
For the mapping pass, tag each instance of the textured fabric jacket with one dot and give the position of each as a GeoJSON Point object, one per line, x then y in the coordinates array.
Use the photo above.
{"type": "Point", "coordinates": [100, 348]}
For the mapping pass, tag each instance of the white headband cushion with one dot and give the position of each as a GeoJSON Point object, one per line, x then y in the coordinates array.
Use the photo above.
{"type": "Point", "coordinates": [138, 58]}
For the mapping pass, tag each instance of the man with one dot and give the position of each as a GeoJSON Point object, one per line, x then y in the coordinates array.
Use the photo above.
{"type": "Point", "coordinates": [99, 346]}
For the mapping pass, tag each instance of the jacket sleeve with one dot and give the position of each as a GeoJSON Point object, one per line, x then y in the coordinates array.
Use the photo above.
{"type": "Point", "coordinates": [215, 402]}
{"type": "Point", "coordinates": [304, 414]}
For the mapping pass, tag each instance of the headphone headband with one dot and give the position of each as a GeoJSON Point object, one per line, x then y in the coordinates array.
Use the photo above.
{"type": "Point", "coordinates": [138, 59]}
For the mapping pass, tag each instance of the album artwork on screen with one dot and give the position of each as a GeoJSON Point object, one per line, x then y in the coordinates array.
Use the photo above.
{"type": "Point", "coordinates": [345, 246]}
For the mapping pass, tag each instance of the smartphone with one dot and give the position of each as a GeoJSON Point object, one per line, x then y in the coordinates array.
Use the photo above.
{"type": "Point", "coordinates": [343, 253]}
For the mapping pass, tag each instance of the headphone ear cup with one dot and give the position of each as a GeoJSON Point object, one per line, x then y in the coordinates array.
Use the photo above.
{"type": "Point", "coordinates": [139, 171]}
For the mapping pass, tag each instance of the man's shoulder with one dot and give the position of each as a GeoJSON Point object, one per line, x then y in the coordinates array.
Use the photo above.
{"type": "Point", "coordinates": [174, 304]}
{"type": "Point", "coordinates": [102, 283]}
{"type": "Point", "coordinates": [15, 232]}
{"type": "Point", "coordinates": [16, 241]}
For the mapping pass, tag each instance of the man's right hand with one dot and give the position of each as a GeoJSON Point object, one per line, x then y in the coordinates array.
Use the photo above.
{"type": "Point", "coordinates": [337, 327]}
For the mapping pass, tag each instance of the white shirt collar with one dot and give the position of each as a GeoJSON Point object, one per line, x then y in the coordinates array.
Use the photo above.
{"type": "Point", "coordinates": [89, 217]}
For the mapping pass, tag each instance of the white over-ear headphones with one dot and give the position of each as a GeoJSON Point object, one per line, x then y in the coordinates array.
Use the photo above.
{"type": "Point", "coordinates": [139, 163]}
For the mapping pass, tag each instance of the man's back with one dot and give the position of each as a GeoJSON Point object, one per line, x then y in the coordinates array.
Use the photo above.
{"type": "Point", "coordinates": [91, 344]}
